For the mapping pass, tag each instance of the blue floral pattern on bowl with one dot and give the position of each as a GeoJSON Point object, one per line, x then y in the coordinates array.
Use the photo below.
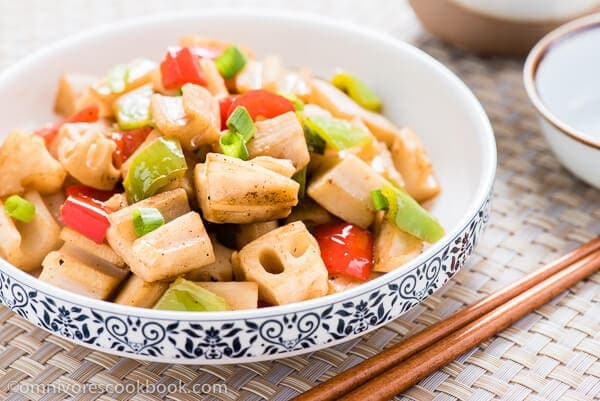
{"type": "Point", "coordinates": [242, 339]}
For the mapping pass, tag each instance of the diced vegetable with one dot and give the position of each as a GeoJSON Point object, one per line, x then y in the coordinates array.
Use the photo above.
{"type": "Point", "coordinates": [344, 190]}
{"type": "Point", "coordinates": [184, 295]}
{"type": "Point", "coordinates": [86, 152]}
{"type": "Point", "coordinates": [314, 142]}
{"type": "Point", "coordinates": [25, 163]}
{"type": "Point", "coordinates": [153, 168]}
{"type": "Point", "coordinates": [180, 66]}
{"type": "Point", "coordinates": [92, 195]}
{"type": "Point", "coordinates": [286, 265]}
{"type": "Point", "coordinates": [380, 202]}
{"type": "Point", "coordinates": [102, 251]}
{"type": "Point", "coordinates": [71, 89]}
{"type": "Point", "coordinates": [231, 190]}
{"type": "Point", "coordinates": [296, 101]}
{"type": "Point", "coordinates": [337, 133]}
{"type": "Point", "coordinates": [133, 108]}
{"type": "Point", "coordinates": [193, 118]}
{"type": "Point", "coordinates": [77, 271]}
{"type": "Point", "coordinates": [409, 216]}
{"type": "Point", "coordinates": [214, 81]}
{"type": "Point", "coordinates": [411, 160]}
{"type": "Point", "coordinates": [19, 208]}
{"type": "Point", "coordinates": [357, 90]}
{"type": "Point", "coordinates": [85, 217]}
{"type": "Point", "coordinates": [127, 143]}
{"type": "Point", "coordinates": [281, 137]}
{"type": "Point", "coordinates": [300, 178]}
{"type": "Point", "coordinates": [146, 220]}
{"type": "Point", "coordinates": [224, 105]}
{"type": "Point", "coordinates": [26, 245]}
{"type": "Point", "coordinates": [140, 293]}
{"type": "Point", "coordinates": [233, 144]}
{"type": "Point", "coordinates": [238, 295]}
{"type": "Point", "coordinates": [393, 247]}
{"type": "Point", "coordinates": [240, 122]}
{"type": "Point", "coordinates": [230, 62]}
{"type": "Point", "coordinates": [88, 115]}
{"type": "Point", "coordinates": [346, 249]}
{"type": "Point", "coordinates": [122, 78]}
{"type": "Point", "coordinates": [261, 103]}
{"type": "Point", "coordinates": [246, 233]}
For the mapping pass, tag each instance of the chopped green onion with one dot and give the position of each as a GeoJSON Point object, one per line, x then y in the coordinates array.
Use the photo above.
{"type": "Point", "coordinates": [146, 219]}
{"type": "Point", "coordinates": [19, 208]}
{"type": "Point", "coordinates": [298, 104]}
{"type": "Point", "coordinates": [232, 144]}
{"type": "Point", "coordinates": [230, 62]}
{"type": "Point", "coordinates": [156, 166]}
{"type": "Point", "coordinates": [300, 178]}
{"type": "Point", "coordinates": [133, 108]}
{"type": "Point", "coordinates": [337, 133]}
{"type": "Point", "coordinates": [179, 92]}
{"type": "Point", "coordinates": [241, 123]}
{"type": "Point", "coordinates": [187, 296]}
{"type": "Point", "coordinates": [357, 90]}
{"type": "Point", "coordinates": [409, 216]}
{"type": "Point", "coordinates": [380, 202]}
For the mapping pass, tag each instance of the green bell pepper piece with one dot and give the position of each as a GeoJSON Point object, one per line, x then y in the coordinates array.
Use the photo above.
{"type": "Point", "coordinates": [337, 133]}
{"type": "Point", "coordinates": [409, 216]}
{"type": "Point", "coordinates": [154, 167]}
{"type": "Point", "coordinates": [187, 296]}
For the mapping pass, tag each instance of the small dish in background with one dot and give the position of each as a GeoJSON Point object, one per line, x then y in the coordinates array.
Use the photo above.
{"type": "Point", "coordinates": [562, 81]}
{"type": "Point", "coordinates": [501, 27]}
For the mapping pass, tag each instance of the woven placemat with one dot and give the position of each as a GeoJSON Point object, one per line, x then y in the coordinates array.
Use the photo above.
{"type": "Point", "coordinates": [540, 212]}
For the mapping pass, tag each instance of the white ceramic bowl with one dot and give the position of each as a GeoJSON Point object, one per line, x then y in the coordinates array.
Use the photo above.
{"type": "Point", "coordinates": [562, 81]}
{"type": "Point", "coordinates": [416, 90]}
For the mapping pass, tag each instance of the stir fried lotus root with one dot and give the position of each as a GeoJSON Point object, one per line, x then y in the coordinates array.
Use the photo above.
{"type": "Point", "coordinates": [214, 180]}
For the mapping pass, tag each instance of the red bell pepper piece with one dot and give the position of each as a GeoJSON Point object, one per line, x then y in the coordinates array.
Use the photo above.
{"type": "Point", "coordinates": [225, 105]}
{"type": "Point", "coordinates": [180, 67]}
{"type": "Point", "coordinates": [261, 103]}
{"type": "Point", "coordinates": [84, 211]}
{"type": "Point", "coordinates": [87, 115]}
{"type": "Point", "coordinates": [127, 143]}
{"type": "Point", "coordinates": [346, 249]}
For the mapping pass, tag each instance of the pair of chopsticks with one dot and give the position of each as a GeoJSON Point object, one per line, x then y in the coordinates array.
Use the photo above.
{"type": "Point", "coordinates": [405, 364]}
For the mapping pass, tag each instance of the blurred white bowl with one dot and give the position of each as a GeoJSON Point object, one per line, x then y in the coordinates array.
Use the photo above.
{"type": "Point", "coordinates": [562, 81]}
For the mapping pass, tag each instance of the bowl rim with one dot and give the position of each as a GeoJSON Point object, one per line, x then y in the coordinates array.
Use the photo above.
{"type": "Point", "coordinates": [532, 63]}
{"type": "Point", "coordinates": [482, 193]}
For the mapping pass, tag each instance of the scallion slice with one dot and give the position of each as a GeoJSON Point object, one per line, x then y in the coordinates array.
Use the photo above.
{"type": "Point", "coordinates": [146, 219]}
{"type": "Point", "coordinates": [232, 144]}
{"type": "Point", "coordinates": [357, 90]}
{"type": "Point", "coordinates": [380, 202]}
{"type": "Point", "coordinates": [19, 208]}
{"type": "Point", "coordinates": [230, 62]}
{"type": "Point", "coordinates": [241, 123]}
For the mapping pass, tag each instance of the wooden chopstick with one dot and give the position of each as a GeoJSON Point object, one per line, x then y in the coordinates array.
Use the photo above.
{"type": "Point", "coordinates": [409, 372]}
{"type": "Point", "coordinates": [352, 378]}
